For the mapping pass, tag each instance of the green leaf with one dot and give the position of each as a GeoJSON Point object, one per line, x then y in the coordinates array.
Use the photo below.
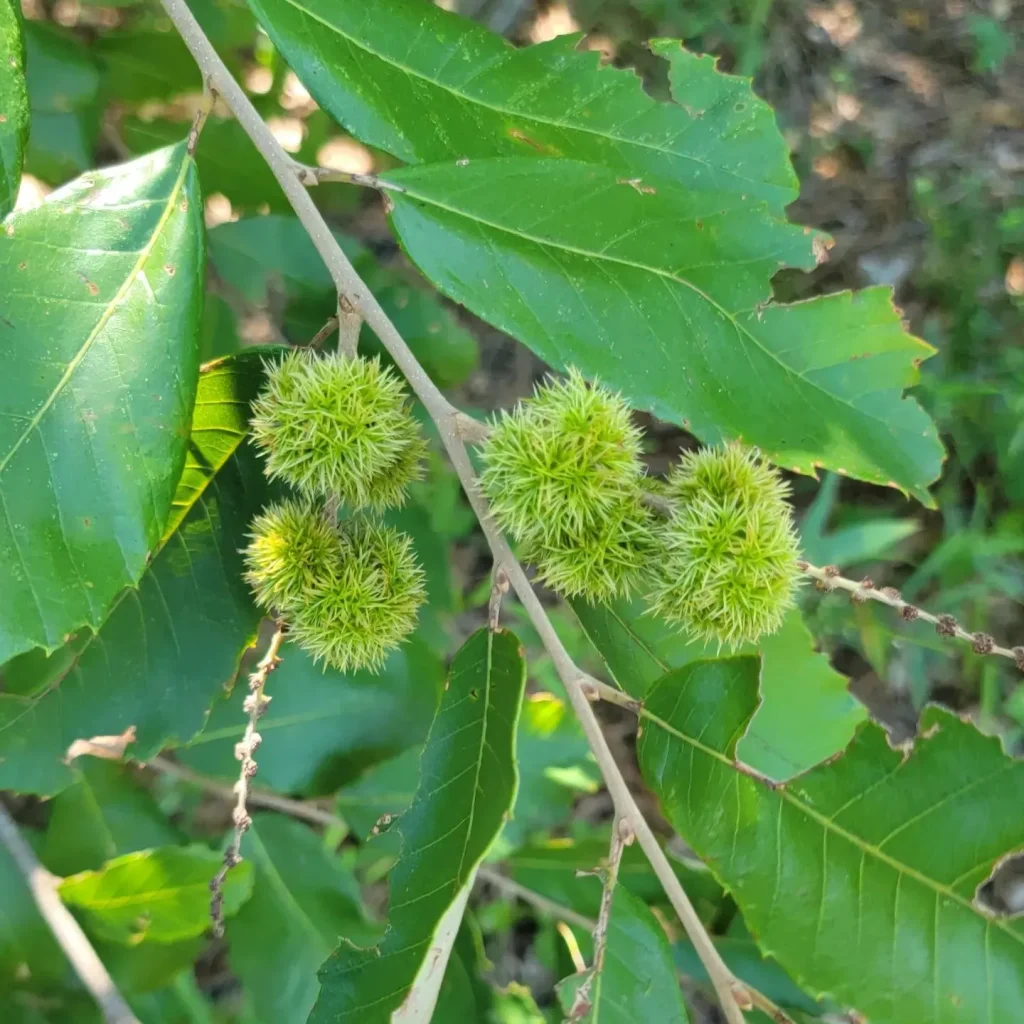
{"type": "Point", "coordinates": [667, 278]}
{"type": "Point", "coordinates": [64, 103]}
{"type": "Point", "coordinates": [103, 296]}
{"type": "Point", "coordinates": [555, 767]}
{"type": "Point", "coordinates": [147, 64]}
{"type": "Point", "coordinates": [806, 713]}
{"type": "Point", "coordinates": [638, 978]}
{"type": "Point", "coordinates": [859, 876]}
{"type": "Point", "coordinates": [302, 903]}
{"type": "Point", "coordinates": [160, 895]}
{"type": "Point", "coordinates": [487, 98]}
{"type": "Point", "coordinates": [324, 727]}
{"type": "Point", "coordinates": [171, 645]}
{"type": "Point", "coordinates": [105, 813]}
{"type": "Point", "coordinates": [13, 105]}
{"type": "Point", "coordinates": [467, 787]}
{"type": "Point", "coordinates": [181, 1002]}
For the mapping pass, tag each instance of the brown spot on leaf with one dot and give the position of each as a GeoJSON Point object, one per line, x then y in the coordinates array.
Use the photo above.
{"type": "Point", "coordinates": [638, 185]}
{"type": "Point", "coordinates": [515, 133]}
{"type": "Point", "coordinates": [184, 206]}
{"type": "Point", "coordinates": [169, 269]}
{"type": "Point", "coordinates": [3, 119]}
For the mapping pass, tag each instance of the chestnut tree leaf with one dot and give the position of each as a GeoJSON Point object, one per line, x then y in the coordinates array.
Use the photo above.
{"type": "Point", "coordinates": [488, 98]}
{"type": "Point", "coordinates": [467, 787]}
{"type": "Point", "coordinates": [665, 293]}
{"type": "Point", "coordinates": [170, 645]}
{"type": "Point", "coordinates": [861, 875]}
{"type": "Point", "coordinates": [102, 289]}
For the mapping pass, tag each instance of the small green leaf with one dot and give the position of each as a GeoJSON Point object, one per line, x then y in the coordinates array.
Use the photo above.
{"type": "Point", "coordinates": [169, 647]}
{"type": "Point", "coordinates": [487, 98]}
{"type": "Point", "coordinates": [160, 895]}
{"type": "Point", "coordinates": [105, 813]}
{"type": "Point", "coordinates": [638, 978]}
{"type": "Point", "coordinates": [103, 295]}
{"type": "Point", "coordinates": [667, 278]}
{"type": "Point", "coordinates": [302, 904]}
{"type": "Point", "coordinates": [64, 104]}
{"type": "Point", "coordinates": [323, 727]}
{"type": "Point", "coordinates": [859, 876]}
{"type": "Point", "coordinates": [806, 713]}
{"type": "Point", "coordinates": [467, 787]}
{"type": "Point", "coordinates": [13, 105]}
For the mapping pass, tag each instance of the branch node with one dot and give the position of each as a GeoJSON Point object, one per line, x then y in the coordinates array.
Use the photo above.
{"type": "Point", "coordinates": [946, 625]}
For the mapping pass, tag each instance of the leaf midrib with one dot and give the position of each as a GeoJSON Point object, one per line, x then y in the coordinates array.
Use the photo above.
{"type": "Point", "coordinates": [106, 315]}
{"type": "Point", "coordinates": [830, 826]}
{"type": "Point", "coordinates": [564, 126]}
{"type": "Point", "coordinates": [603, 257]}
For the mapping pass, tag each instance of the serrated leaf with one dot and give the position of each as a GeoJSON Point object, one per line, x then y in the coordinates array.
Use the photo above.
{"type": "Point", "coordinates": [302, 903]}
{"type": "Point", "coordinates": [666, 295]}
{"type": "Point", "coordinates": [487, 98]}
{"type": "Point", "coordinates": [806, 712]}
{"type": "Point", "coordinates": [64, 103]}
{"type": "Point", "coordinates": [467, 787]}
{"type": "Point", "coordinates": [168, 647]}
{"type": "Point", "coordinates": [105, 813]}
{"type": "Point", "coordinates": [324, 727]}
{"type": "Point", "coordinates": [13, 105]}
{"type": "Point", "coordinates": [160, 895]}
{"type": "Point", "coordinates": [637, 980]}
{"type": "Point", "coordinates": [100, 330]}
{"type": "Point", "coordinates": [859, 876]}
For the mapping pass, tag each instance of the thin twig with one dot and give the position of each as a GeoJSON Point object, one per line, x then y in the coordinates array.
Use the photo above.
{"type": "Point", "coordinates": [594, 689]}
{"type": "Point", "coordinates": [499, 588]}
{"type": "Point", "coordinates": [254, 705]}
{"type": "Point", "coordinates": [512, 888]}
{"type": "Point", "coordinates": [324, 333]}
{"type": "Point", "coordinates": [65, 928]}
{"type": "Point", "coordinates": [446, 417]}
{"type": "Point", "coordinates": [945, 625]}
{"type": "Point", "coordinates": [301, 809]}
{"type": "Point", "coordinates": [622, 836]}
{"type": "Point", "coordinates": [310, 176]}
{"type": "Point", "coordinates": [202, 113]}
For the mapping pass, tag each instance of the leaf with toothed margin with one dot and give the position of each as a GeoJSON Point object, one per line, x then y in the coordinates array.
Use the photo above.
{"type": "Point", "coordinates": [666, 296]}
{"type": "Point", "coordinates": [859, 876]}
{"type": "Point", "coordinates": [99, 335]}
{"type": "Point", "coordinates": [171, 645]}
{"type": "Point", "coordinates": [467, 787]}
{"type": "Point", "coordinates": [487, 98]}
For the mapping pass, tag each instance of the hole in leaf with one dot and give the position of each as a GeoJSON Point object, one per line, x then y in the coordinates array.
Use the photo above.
{"type": "Point", "coordinates": [474, 694]}
{"type": "Point", "coordinates": [1003, 891]}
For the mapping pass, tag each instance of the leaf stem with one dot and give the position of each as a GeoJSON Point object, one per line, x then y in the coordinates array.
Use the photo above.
{"type": "Point", "coordinates": [310, 176]}
{"type": "Point", "coordinates": [447, 419]}
{"type": "Point", "coordinates": [512, 888]}
{"type": "Point", "coordinates": [65, 928]}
